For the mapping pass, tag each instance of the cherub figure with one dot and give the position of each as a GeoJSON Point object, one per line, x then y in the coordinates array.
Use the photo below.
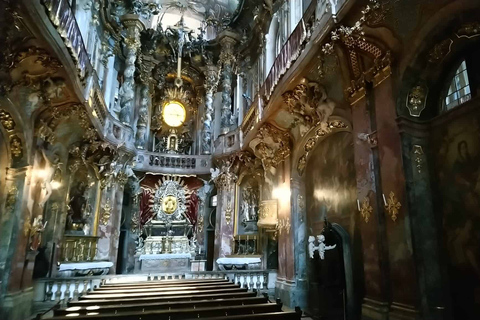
{"type": "Point", "coordinates": [311, 246]}
{"type": "Point", "coordinates": [322, 247]}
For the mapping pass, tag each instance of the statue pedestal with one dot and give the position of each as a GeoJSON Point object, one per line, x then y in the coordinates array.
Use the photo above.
{"type": "Point", "coordinates": [164, 263]}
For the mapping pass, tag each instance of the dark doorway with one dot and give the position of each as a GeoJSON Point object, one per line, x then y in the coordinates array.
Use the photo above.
{"type": "Point", "coordinates": [210, 248]}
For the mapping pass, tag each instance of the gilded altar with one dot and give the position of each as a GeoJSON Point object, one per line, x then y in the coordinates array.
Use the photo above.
{"type": "Point", "coordinates": [168, 243]}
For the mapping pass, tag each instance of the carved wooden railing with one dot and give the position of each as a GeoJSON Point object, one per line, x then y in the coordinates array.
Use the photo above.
{"type": "Point", "coordinates": [64, 289]}
{"type": "Point", "coordinates": [78, 248]}
{"type": "Point", "coordinates": [63, 18]}
{"type": "Point", "coordinates": [97, 101]}
{"type": "Point", "coordinates": [173, 163]}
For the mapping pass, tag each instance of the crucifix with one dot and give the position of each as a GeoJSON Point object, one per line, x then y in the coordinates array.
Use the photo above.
{"type": "Point", "coordinates": [182, 31]}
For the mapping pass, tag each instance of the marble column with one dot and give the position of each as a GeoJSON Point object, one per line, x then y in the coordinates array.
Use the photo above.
{"type": "Point", "coordinates": [402, 273]}
{"type": "Point", "coordinates": [142, 117]}
{"type": "Point", "coordinates": [109, 224]}
{"type": "Point", "coordinates": [13, 242]}
{"type": "Point", "coordinates": [133, 26]}
{"type": "Point", "coordinates": [227, 59]}
{"type": "Point", "coordinates": [224, 221]}
{"type": "Point", "coordinates": [299, 229]}
{"type": "Point", "coordinates": [147, 65]}
{"type": "Point", "coordinates": [211, 82]}
{"type": "Point", "coordinates": [202, 215]}
{"type": "Point", "coordinates": [371, 219]}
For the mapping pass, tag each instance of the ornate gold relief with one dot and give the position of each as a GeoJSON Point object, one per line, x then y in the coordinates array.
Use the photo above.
{"type": "Point", "coordinates": [271, 145]}
{"type": "Point", "coordinates": [228, 213]}
{"type": "Point", "coordinates": [325, 128]}
{"type": "Point", "coordinates": [469, 30]}
{"type": "Point", "coordinates": [106, 213]}
{"type": "Point", "coordinates": [6, 120]}
{"type": "Point", "coordinates": [309, 104]}
{"type": "Point", "coordinates": [393, 206]}
{"type": "Point", "coordinates": [440, 51]}
{"type": "Point", "coordinates": [366, 210]}
{"type": "Point", "coordinates": [16, 147]}
{"type": "Point", "coordinates": [416, 100]}
{"type": "Point", "coordinates": [418, 157]}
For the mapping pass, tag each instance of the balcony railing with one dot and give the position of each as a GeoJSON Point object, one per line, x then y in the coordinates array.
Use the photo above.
{"type": "Point", "coordinates": [63, 18]}
{"type": "Point", "coordinates": [173, 163]}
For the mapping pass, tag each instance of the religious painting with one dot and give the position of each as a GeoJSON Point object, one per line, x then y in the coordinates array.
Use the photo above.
{"type": "Point", "coordinates": [458, 175]}
{"type": "Point", "coordinates": [169, 204]}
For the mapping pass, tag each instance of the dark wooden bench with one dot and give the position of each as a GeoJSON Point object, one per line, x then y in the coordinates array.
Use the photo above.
{"type": "Point", "coordinates": [194, 297]}
{"type": "Point", "coordinates": [116, 309]}
{"type": "Point", "coordinates": [106, 296]}
{"type": "Point", "coordinates": [162, 283]}
{"type": "Point", "coordinates": [177, 314]}
{"type": "Point", "coordinates": [165, 288]}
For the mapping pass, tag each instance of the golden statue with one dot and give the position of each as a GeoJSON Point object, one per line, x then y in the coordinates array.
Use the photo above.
{"type": "Point", "coordinates": [169, 204]}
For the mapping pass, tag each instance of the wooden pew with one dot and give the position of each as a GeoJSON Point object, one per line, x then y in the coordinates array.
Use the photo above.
{"type": "Point", "coordinates": [177, 314]}
{"type": "Point", "coordinates": [119, 296]}
{"type": "Point", "coordinates": [163, 283]}
{"type": "Point", "coordinates": [165, 288]}
{"type": "Point", "coordinates": [176, 298]}
{"type": "Point", "coordinates": [116, 309]}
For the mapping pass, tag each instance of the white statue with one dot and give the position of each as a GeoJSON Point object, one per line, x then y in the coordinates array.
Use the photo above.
{"type": "Point", "coordinates": [215, 173]}
{"type": "Point", "coordinates": [49, 173]}
{"type": "Point", "coordinates": [311, 246]}
{"type": "Point", "coordinates": [321, 248]}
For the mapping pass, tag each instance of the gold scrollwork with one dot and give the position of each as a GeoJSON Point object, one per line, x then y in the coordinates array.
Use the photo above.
{"type": "Point", "coordinates": [6, 120]}
{"type": "Point", "coordinates": [228, 214]}
{"type": "Point", "coordinates": [11, 199]}
{"type": "Point", "coordinates": [393, 206]}
{"type": "Point", "coordinates": [284, 226]}
{"type": "Point", "coordinates": [366, 210]}
{"type": "Point", "coordinates": [418, 157]}
{"type": "Point", "coordinates": [16, 147]}
{"type": "Point", "coordinates": [324, 129]}
{"type": "Point", "coordinates": [106, 213]}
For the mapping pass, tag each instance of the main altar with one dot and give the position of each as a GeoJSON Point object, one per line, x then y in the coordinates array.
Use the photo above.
{"type": "Point", "coordinates": [168, 244]}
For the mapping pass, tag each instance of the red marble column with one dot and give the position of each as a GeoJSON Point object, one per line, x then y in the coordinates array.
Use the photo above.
{"type": "Point", "coordinates": [402, 269]}
{"type": "Point", "coordinates": [375, 269]}
{"type": "Point", "coordinates": [224, 222]}
{"type": "Point", "coordinates": [286, 265]}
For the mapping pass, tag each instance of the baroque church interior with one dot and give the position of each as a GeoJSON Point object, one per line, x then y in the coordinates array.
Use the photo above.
{"type": "Point", "coordinates": [240, 159]}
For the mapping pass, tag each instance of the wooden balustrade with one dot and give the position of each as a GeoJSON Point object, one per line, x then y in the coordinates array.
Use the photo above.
{"type": "Point", "coordinates": [78, 248]}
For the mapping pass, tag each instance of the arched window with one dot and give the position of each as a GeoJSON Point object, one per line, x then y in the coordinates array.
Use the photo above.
{"type": "Point", "coordinates": [459, 89]}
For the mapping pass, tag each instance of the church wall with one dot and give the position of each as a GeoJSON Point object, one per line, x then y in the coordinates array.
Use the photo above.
{"type": "Point", "coordinates": [456, 150]}
{"type": "Point", "coordinates": [331, 194]}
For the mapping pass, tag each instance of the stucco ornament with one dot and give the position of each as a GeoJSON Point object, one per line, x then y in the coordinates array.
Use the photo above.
{"type": "Point", "coordinates": [271, 145]}
{"type": "Point", "coordinates": [309, 104]}
{"type": "Point", "coordinates": [416, 100]}
{"type": "Point", "coordinates": [321, 247]}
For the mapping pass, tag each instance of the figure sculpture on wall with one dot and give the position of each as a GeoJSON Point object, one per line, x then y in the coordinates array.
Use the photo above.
{"type": "Point", "coordinates": [321, 247]}
{"type": "Point", "coordinates": [49, 172]}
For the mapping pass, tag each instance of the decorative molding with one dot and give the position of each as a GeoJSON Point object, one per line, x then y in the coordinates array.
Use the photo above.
{"type": "Point", "coordinates": [106, 212]}
{"type": "Point", "coordinates": [440, 51]}
{"type": "Point", "coordinates": [11, 199]}
{"type": "Point", "coordinates": [418, 157]}
{"type": "Point", "coordinates": [309, 104]}
{"type": "Point", "coordinates": [469, 30]}
{"type": "Point", "coordinates": [393, 206]}
{"type": "Point", "coordinates": [283, 226]}
{"type": "Point", "coordinates": [366, 209]}
{"type": "Point", "coordinates": [334, 125]}
{"type": "Point", "coordinates": [16, 147]}
{"type": "Point", "coordinates": [268, 214]}
{"type": "Point", "coordinates": [6, 120]}
{"type": "Point", "coordinates": [271, 145]}
{"type": "Point", "coordinates": [416, 99]}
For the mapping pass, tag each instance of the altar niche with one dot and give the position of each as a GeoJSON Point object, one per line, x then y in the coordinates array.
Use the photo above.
{"type": "Point", "coordinates": [169, 242]}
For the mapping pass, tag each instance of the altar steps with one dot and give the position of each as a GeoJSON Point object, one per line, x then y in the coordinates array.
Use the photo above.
{"type": "Point", "coordinates": [174, 300]}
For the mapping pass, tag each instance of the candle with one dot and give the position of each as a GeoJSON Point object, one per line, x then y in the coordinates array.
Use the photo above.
{"type": "Point", "coordinates": [358, 204]}
{"type": "Point", "coordinates": [384, 201]}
